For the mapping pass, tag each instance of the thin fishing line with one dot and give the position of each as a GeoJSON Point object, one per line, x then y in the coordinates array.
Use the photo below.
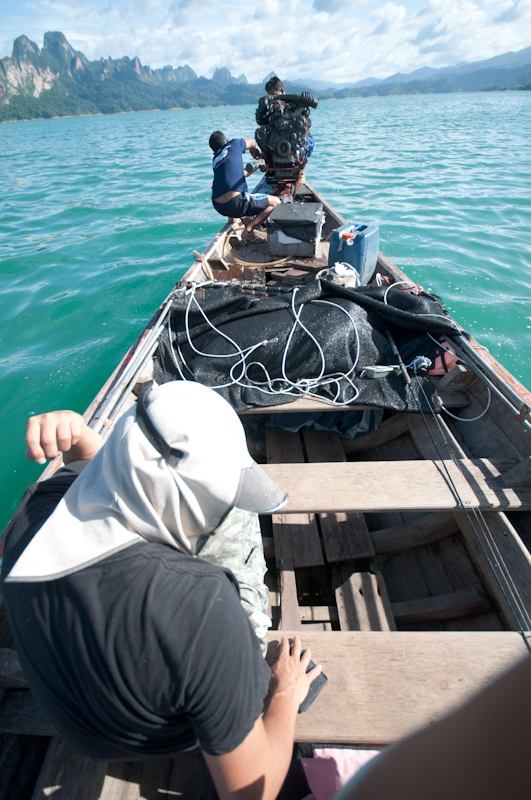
{"type": "Point", "coordinates": [478, 523]}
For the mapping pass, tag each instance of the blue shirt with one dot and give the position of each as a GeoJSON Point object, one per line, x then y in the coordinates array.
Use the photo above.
{"type": "Point", "coordinates": [228, 168]}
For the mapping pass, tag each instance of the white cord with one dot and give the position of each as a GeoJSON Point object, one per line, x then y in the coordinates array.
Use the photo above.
{"type": "Point", "coordinates": [307, 386]}
{"type": "Point", "coordinates": [471, 419]}
{"type": "Point", "coordinates": [489, 393]}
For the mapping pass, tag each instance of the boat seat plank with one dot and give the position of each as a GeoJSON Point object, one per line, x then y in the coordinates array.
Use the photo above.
{"type": "Point", "coordinates": [417, 485]}
{"type": "Point", "coordinates": [382, 686]}
{"type": "Point", "coordinates": [461, 603]}
{"type": "Point", "coordinates": [363, 604]}
{"type": "Point", "coordinates": [345, 535]}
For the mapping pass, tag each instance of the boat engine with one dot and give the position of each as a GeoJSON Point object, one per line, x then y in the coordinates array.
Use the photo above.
{"type": "Point", "coordinates": [282, 137]}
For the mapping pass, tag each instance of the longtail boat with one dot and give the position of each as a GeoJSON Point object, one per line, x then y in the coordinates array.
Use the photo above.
{"type": "Point", "coordinates": [402, 557]}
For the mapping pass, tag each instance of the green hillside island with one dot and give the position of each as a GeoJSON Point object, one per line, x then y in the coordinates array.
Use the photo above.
{"type": "Point", "coordinates": [59, 81]}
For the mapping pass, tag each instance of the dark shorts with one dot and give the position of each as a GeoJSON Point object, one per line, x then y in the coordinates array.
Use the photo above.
{"type": "Point", "coordinates": [245, 205]}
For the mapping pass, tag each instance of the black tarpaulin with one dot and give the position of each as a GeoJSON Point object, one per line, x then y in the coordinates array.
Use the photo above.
{"type": "Point", "coordinates": [339, 332]}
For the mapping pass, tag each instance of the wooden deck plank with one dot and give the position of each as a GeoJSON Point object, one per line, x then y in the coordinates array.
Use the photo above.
{"type": "Point", "coordinates": [403, 485]}
{"type": "Point", "coordinates": [345, 535]}
{"type": "Point", "coordinates": [384, 685]}
{"type": "Point", "coordinates": [363, 604]}
{"type": "Point", "coordinates": [296, 537]}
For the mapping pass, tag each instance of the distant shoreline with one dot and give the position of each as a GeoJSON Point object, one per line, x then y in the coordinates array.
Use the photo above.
{"type": "Point", "coordinates": [234, 105]}
{"type": "Point", "coordinates": [96, 114]}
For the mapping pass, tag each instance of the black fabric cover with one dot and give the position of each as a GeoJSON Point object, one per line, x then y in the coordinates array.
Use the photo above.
{"type": "Point", "coordinates": [251, 318]}
{"type": "Point", "coordinates": [299, 220]}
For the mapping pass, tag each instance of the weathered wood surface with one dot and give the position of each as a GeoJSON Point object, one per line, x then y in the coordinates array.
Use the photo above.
{"type": "Point", "coordinates": [345, 535]}
{"type": "Point", "coordinates": [186, 777]}
{"type": "Point", "coordinates": [390, 429]}
{"type": "Point", "coordinates": [296, 536]}
{"type": "Point", "coordinates": [461, 603]}
{"type": "Point", "coordinates": [493, 543]}
{"type": "Point", "coordinates": [431, 528]}
{"type": "Point", "coordinates": [68, 774]}
{"type": "Point", "coordinates": [384, 685]}
{"type": "Point", "coordinates": [519, 475]}
{"type": "Point", "coordinates": [503, 562]}
{"type": "Point", "coordinates": [403, 485]}
{"type": "Point", "coordinates": [363, 604]}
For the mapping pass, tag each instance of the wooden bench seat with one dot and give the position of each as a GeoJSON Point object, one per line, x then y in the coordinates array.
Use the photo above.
{"type": "Point", "coordinates": [381, 686]}
{"type": "Point", "coordinates": [415, 485]}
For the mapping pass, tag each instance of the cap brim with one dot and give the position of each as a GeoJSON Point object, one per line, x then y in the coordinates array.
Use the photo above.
{"type": "Point", "coordinates": [257, 492]}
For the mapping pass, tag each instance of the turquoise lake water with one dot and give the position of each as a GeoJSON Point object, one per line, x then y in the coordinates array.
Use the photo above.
{"type": "Point", "coordinates": [99, 217]}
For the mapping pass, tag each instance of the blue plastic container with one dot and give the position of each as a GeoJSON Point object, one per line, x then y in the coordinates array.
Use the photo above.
{"type": "Point", "coordinates": [358, 246]}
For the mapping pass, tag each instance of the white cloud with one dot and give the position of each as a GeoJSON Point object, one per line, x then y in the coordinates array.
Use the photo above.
{"type": "Point", "coordinates": [388, 18]}
{"type": "Point", "coordinates": [331, 40]}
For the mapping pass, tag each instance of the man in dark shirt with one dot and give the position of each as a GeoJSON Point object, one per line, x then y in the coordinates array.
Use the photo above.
{"type": "Point", "coordinates": [133, 644]}
{"type": "Point", "coordinates": [230, 194]}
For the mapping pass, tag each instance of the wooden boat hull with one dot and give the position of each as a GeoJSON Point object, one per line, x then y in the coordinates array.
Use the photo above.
{"type": "Point", "coordinates": [402, 558]}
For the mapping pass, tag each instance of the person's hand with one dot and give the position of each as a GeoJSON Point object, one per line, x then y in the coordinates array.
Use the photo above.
{"type": "Point", "coordinates": [49, 434]}
{"type": "Point", "coordinates": [288, 673]}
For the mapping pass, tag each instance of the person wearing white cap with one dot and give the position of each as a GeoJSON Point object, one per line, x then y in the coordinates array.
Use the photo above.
{"type": "Point", "coordinates": [127, 620]}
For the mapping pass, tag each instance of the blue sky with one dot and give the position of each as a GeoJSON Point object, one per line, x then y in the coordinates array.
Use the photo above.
{"type": "Point", "coordinates": [322, 39]}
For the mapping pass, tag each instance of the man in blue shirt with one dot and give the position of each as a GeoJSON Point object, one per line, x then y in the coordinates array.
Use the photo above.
{"type": "Point", "coordinates": [230, 193]}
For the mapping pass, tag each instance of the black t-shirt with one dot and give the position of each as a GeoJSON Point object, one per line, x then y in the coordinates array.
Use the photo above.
{"type": "Point", "coordinates": [145, 653]}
